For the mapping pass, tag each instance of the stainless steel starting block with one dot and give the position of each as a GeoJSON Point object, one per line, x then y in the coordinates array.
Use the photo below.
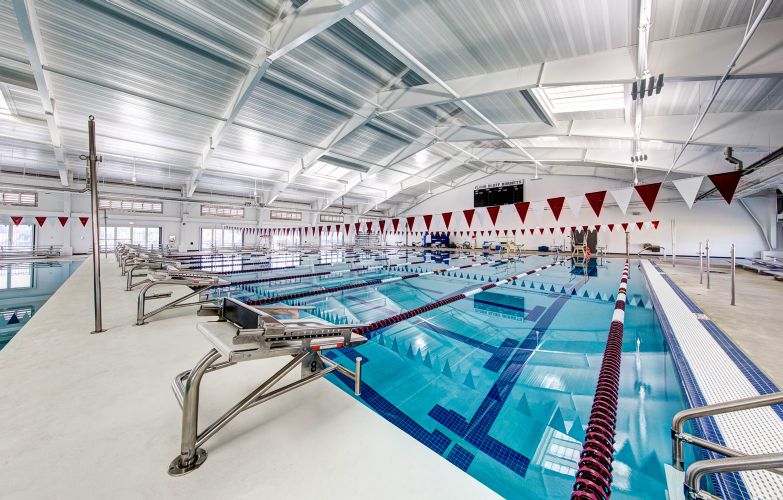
{"type": "Point", "coordinates": [246, 333]}
{"type": "Point", "coordinates": [198, 282]}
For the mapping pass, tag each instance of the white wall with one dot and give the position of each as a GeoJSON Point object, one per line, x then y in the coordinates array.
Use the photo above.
{"type": "Point", "coordinates": [710, 219]}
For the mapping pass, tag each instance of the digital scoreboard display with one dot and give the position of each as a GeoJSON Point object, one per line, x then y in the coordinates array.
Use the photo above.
{"type": "Point", "coordinates": [491, 196]}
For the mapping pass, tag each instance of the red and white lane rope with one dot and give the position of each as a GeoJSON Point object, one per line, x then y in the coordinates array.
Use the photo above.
{"type": "Point", "coordinates": [594, 476]}
{"type": "Point", "coordinates": [310, 293]}
{"type": "Point", "coordinates": [448, 300]}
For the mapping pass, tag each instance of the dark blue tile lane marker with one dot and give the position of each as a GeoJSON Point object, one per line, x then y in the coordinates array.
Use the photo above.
{"type": "Point", "coordinates": [476, 431]}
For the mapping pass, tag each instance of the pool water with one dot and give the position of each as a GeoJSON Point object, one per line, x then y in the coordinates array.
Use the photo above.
{"type": "Point", "coordinates": [25, 288]}
{"type": "Point", "coordinates": [501, 383]}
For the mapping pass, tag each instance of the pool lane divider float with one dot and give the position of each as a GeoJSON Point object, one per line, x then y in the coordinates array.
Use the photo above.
{"type": "Point", "coordinates": [594, 476]}
{"type": "Point", "coordinates": [325, 273]}
{"type": "Point", "coordinates": [340, 288]}
{"type": "Point", "coordinates": [377, 325]}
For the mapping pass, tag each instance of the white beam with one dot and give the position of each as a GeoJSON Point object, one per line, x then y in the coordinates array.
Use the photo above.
{"type": "Point", "coordinates": [298, 27]}
{"type": "Point", "coordinates": [700, 56]}
{"type": "Point", "coordinates": [738, 129]}
{"type": "Point", "coordinates": [29, 28]}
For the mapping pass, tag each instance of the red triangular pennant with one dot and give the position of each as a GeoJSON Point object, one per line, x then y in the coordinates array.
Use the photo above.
{"type": "Point", "coordinates": [84, 220]}
{"type": "Point", "coordinates": [562, 230]}
{"type": "Point", "coordinates": [597, 227]}
{"type": "Point", "coordinates": [410, 221]}
{"type": "Point", "coordinates": [469, 216]}
{"type": "Point", "coordinates": [63, 221]}
{"type": "Point", "coordinates": [347, 227]}
{"type": "Point", "coordinates": [382, 223]}
{"type": "Point", "coordinates": [726, 183]}
{"type": "Point", "coordinates": [446, 218]}
{"type": "Point", "coordinates": [611, 227]}
{"type": "Point", "coordinates": [493, 214]}
{"type": "Point", "coordinates": [541, 230]}
{"type": "Point", "coordinates": [16, 219]}
{"type": "Point", "coordinates": [514, 232]}
{"type": "Point", "coordinates": [551, 230]}
{"type": "Point", "coordinates": [357, 226]}
{"type": "Point", "coordinates": [40, 220]}
{"type": "Point", "coordinates": [522, 209]}
{"type": "Point", "coordinates": [640, 225]}
{"type": "Point", "coordinates": [625, 226]}
{"type": "Point", "coordinates": [482, 233]}
{"type": "Point", "coordinates": [596, 201]}
{"type": "Point", "coordinates": [395, 223]}
{"type": "Point", "coordinates": [655, 223]}
{"type": "Point", "coordinates": [556, 204]}
{"type": "Point", "coordinates": [427, 221]}
{"type": "Point", "coordinates": [531, 230]}
{"type": "Point", "coordinates": [648, 193]}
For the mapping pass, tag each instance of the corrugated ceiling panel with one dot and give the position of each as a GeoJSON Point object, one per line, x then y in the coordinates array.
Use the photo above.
{"type": "Point", "coordinates": [12, 45]}
{"type": "Point", "coordinates": [505, 108]}
{"type": "Point", "coordinates": [457, 38]}
{"type": "Point", "coordinates": [682, 17]}
{"type": "Point", "coordinates": [289, 113]}
{"type": "Point", "coordinates": [370, 144]}
{"type": "Point", "coordinates": [123, 52]}
{"type": "Point", "coordinates": [19, 131]}
{"type": "Point", "coordinates": [680, 98]}
{"type": "Point", "coordinates": [126, 117]}
{"type": "Point", "coordinates": [245, 145]}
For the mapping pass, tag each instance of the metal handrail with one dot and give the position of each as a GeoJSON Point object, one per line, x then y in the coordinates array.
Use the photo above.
{"type": "Point", "coordinates": [698, 470]}
{"type": "Point", "coordinates": [737, 461]}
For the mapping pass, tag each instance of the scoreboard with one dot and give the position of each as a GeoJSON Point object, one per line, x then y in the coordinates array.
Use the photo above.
{"type": "Point", "coordinates": [503, 194]}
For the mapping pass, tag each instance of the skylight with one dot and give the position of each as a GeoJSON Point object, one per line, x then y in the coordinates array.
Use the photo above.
{"type": "Point", "coordinates": [3, 106]}
{"type": "Point", "coordinates": [585, 97]}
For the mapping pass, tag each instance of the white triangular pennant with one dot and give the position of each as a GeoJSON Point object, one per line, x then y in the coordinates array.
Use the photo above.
{"type": "Point", "coordinates": [575, 204]}
{"type": "Point", "coordinates": [622, 197]}
{"type": "Point", "coordinates": [689, 188]}
{"type": "Point", "coordinates": [537, 207]}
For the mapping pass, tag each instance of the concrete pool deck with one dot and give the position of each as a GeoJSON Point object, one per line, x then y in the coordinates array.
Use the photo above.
{"type": "Point", "coordinates": [93, 416]}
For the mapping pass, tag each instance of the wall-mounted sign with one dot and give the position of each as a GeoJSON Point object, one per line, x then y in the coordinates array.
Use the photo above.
{"type": "Point", "coordinates": [502, 193]}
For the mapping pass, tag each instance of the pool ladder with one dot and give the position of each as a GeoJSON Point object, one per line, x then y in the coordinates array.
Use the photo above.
{"type": "Point", "coordinates": [736, 461]}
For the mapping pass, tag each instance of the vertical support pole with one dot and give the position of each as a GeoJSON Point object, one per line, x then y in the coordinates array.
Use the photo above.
{"type": "Point", "coordinates": [105, 234]}
{"type": "Point", "coordinates": [627, 244]}
{"type": "Point", "coordinates": [674, 245]}
{"type": "Point", "coordinates": [357, 381]}
{"type": "Point", "coordinates": [92, 162]}
{"type": "Point", "coordinates": [701, 264]}
{"type": "Point", "coordinates": [708, 264]}
{"type": "Point", "coordinates": [733, 272]}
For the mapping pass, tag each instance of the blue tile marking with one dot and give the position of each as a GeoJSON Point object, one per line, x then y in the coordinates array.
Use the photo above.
{"type": "Point", "coordinates": [727, 485]}
{"type": "Point", "coordinates": [435, 440]}
{"type": "Point", "coordinates": [353, 354]}
{"type": "Point", "coordinates": [498, 359]}
{"type": "Point", "coordinates": [476, 431]}
{"type": "Point", "coordinates": [530, 314]}
{"type": "Point", "coordinates": [460, 457]}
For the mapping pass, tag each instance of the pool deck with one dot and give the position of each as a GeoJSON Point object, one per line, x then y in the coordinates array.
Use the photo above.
{"type": "Point", "coordinates": [93, 416]}
{"type": "Point", "coordinates": [714, 370]}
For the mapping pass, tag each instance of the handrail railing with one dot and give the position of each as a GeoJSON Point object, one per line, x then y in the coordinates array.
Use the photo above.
{"type": "Point", "coordinates": [699, 469]}
{"type": "Point", "coordinates": [737, 461]}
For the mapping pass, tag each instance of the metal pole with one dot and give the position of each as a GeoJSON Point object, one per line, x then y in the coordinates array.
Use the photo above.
{"type": "Point", "coordinates": [708, 264]}
{"type": "Point", "coordinates": [627, 244]}
{"type": "Point", "coordinates": [733, 272]}
{"type": "Point", "coordinates": [674, 245]}
{"type": "Point", "coordinates": [701, 264]}
{"type": "Point", "coordinates": [92, 163]}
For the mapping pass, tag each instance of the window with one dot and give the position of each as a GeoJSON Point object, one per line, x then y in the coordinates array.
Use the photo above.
{"type": "Point", "coordinates": [18, 198]}
{"type": "Point", "coordinates": [222, 211]}
{"type": "Point", "coordinates": [277, 214]}
{"type": "Point", "coordinates": [584, 97]}
{"type": "Point", "coordinates": [16, 276]}
{"type": "Point", "coordinates": [285, 240]}
{"type": "Point", "coordinates": [12, 236]}
{"type": "Point", "coordinates": [331, 218]}
{"type": "Point", "coordinates": [130, 205]}
{"type": "Point", "coordinates": [147, 237]}
{"type": "Point", "coordinates": [220, 238]}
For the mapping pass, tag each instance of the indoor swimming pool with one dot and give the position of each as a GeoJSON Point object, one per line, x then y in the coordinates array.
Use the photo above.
{"type": "Point", "coordinates": [24, 288]}
{"type": "Point", "coordinates": [501, 383]}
